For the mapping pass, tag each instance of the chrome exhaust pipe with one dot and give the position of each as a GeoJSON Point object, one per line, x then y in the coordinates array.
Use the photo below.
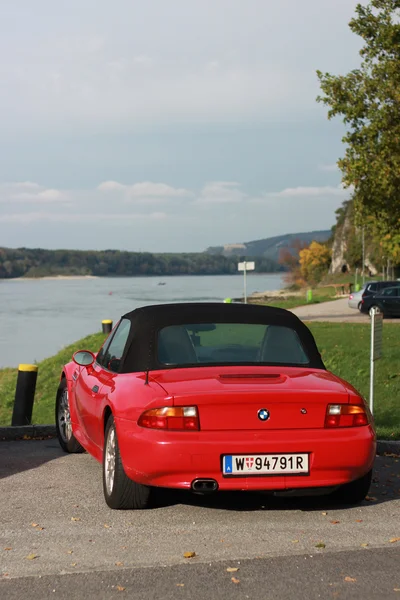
{"type": "Point", "coordinates": [204, 486]}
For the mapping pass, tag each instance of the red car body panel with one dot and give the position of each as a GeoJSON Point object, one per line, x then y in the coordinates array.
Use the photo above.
{"type": "Point", "coordinates": [228, 399]}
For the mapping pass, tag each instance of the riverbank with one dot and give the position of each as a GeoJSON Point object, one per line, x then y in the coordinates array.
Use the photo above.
{"type": "Point", "coordinates": [286, 298]}
{"type": "Point", "coordinates": [52, 278]}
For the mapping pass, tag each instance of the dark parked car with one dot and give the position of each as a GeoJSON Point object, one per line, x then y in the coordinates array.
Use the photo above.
{"type": "Point", "coordinates": [376, 287]}
{"type": "Point", "coordinates": [386, 302]}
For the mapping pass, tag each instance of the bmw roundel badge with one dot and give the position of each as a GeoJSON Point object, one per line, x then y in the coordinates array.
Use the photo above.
{"type": "Point", "coordinates": [263, 414]}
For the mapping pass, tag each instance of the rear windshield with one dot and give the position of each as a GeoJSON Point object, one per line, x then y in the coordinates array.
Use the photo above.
{"type": "Point", "coordinates": [227, 343]}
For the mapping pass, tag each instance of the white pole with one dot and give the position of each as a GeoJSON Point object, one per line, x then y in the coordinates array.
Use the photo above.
{"type": "Point", "coordinates": [371, 375]}
{"type": "Point", "coordinates": [245, 283]}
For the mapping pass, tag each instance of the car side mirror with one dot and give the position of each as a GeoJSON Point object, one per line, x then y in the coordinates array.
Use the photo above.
{"type": "Point", "coordinates": [83, 358]}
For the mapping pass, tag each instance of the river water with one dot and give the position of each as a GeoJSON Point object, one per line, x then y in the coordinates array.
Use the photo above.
{"type": "Point", "coordinates": [39, 317]}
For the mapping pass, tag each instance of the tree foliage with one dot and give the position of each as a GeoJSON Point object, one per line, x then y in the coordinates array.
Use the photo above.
{"type": "Point", "coordinates": [37, 262]}
{"type": "Point", "coordinates": [314, 262]}
{"type": "Point", "coordinates": [368, 99]}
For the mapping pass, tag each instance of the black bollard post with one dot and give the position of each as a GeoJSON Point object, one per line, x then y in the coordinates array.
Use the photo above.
{"type": "Point", "coordinates": [24, 395]}
{"type": "Point", "coordinates": [106, 325]}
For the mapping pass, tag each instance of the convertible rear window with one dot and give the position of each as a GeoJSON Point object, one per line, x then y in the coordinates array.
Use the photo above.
{"type": "Point", "coordinates": [227, 343]}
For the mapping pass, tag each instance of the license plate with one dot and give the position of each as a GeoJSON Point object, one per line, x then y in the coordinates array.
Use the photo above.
{"type": "Point", "coordinates": [265, 464]}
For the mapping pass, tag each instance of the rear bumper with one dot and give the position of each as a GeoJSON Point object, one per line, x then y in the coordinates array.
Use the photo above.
{"type": "Point", "coordinates": [175, 459]}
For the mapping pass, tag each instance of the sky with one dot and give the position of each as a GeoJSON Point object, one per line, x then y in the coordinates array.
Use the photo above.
{"type": "Point", "coordinates": [168, 125]}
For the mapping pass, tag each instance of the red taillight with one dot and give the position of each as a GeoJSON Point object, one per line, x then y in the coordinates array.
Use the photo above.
{"type": "Point", "coordinates": [181, 418]}
{"type": "Point", "coordinates": [351, 297]}
{"type": "Point", "coordinates": [346, 415]}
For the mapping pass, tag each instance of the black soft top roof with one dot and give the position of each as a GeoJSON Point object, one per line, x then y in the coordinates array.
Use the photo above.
{"type": "Point", "coordinates": [141, 348]}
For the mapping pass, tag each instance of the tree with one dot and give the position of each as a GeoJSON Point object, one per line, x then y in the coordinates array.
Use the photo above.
{"type": "Point", "coordinates": [368, 99]}
{"type": "Point", "coordinates": [314, 262]}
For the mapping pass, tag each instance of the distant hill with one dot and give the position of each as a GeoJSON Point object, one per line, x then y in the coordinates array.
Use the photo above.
{"type": "Point", "coordinates": [269, 247]}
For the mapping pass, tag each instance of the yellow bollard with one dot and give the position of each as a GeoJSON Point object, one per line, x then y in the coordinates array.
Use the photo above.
{"type": "Point", "coordinates": [106, 325]}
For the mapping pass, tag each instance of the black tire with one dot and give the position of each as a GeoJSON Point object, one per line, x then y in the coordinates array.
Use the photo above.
{"type": "Point", "coordinates": [359, 306]}
{"type": "Point", "coordinates": [66, 438]}
{"type": "Point", "coordinates": [120, 492]}
{"type": "Point", "coordinates": [354, 492]}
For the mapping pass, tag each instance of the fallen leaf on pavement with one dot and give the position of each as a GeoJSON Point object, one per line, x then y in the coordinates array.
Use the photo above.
{"type": "Point", "coordinates": [335, 522]}
{"type": "Point", "coordinates": [320, 545]}
{"type": "Point", "coordinates": [120, 588]}
{"type": "Point", "coordinates": [34, 525]}
{"type": "Point", "coordinates": [396, 589]}
{"type": "Point", "coordinates": [350, 579]}
{"type": "Point", "coordinates": [370, 498]}
{"type": "Point", "coordinates": [394, 540]}
{"type": "Point", "coordinates": [234, 580]}
{"type": "Point", "coordinates": [73, 564]}
{"type": "Point", "coordinates": [31, 556]}
{"type": "Point", "coordinates": [189, 554]}
{"type": "Point", "coordinates": [324, 513]}
{"type": "Point", "coordinates": [8, 548]}
{"type": "Point", "coordinates": [359, 520]}
{"type": "Point", "coordinates": [70, 551]}
{"type": "Point", "coordinates": [180, 585]}
{"type": "Point", "coordinates": [75, 518]}
{"type": "Point", "coordinates": [107, 526]}
{"type": "Point", "coordinates": [364, 545]}
{"type": "Point", "coordinates": [232, 569]}
{"type": "Point", "coordinates": [119, 564]}
{"type": "Point", "coordinates": [295, 541]}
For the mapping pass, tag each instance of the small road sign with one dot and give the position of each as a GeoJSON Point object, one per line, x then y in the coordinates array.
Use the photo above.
{"type": "Point", "coordinates": [246, 266]}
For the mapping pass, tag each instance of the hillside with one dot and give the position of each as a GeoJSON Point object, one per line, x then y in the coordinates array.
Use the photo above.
{"type": "Point", "coordinates": [270, 247]}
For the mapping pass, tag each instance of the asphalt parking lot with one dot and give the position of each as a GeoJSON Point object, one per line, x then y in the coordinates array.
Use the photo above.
{"type": "Point", "coordinates": [58, 534]}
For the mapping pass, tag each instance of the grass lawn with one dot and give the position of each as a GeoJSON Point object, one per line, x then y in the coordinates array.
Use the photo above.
{"type": "Point", "coordinates": [344, 348]}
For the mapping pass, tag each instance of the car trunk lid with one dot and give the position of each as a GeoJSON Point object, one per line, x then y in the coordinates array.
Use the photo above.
{"type": "Point", "coordinates": [231, 398]}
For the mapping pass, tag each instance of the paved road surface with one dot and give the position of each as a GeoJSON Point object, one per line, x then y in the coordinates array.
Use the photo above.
{"type": "Point", "coordinates": [56, 533]}
{"type": "Point", "coordinates": [336, 311]}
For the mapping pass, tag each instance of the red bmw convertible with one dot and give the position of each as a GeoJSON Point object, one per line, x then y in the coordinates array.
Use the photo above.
{"type": "Point", "coordinates": [207, 397]}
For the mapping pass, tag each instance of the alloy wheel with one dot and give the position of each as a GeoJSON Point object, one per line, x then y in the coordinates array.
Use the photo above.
{"type": "Point", "coordinates": [109, 461]}
{"type": "Point", "coordinates": [64, 417]}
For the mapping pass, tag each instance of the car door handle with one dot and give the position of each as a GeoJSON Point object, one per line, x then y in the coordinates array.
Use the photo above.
{"type": "Point", "coordinates": [95, 389]}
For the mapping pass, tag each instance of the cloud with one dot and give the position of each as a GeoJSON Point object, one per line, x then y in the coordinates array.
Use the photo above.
{"type": "Point", "coordinates": [111, 186]}
{"type": "Point", "coordinates": [158, 216]}
{"type": "Point", "coordinates": [148, 189]}
{"type": "Point", "coordinates": [301, 192]}
{"type": "Point", "coordinates": [29, 192]}
{"type": "Point", "coordinates": [221, 192]}
{"type": "Point", "coordinates": [145, 189]}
